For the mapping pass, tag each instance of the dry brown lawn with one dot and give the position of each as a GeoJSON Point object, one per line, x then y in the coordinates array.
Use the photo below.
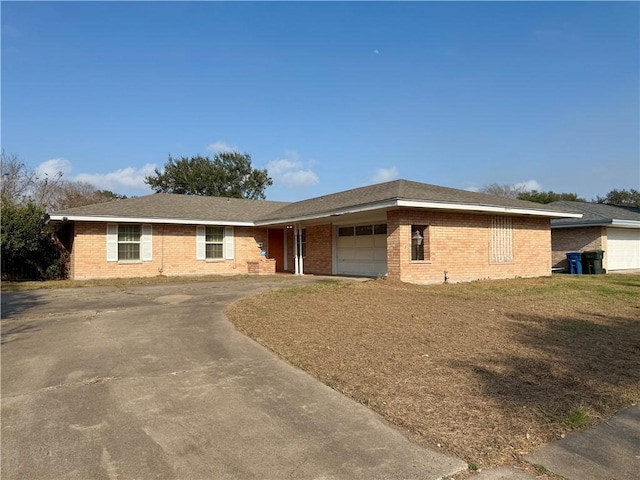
{"type": "Point", "coordinates": [486, 371]}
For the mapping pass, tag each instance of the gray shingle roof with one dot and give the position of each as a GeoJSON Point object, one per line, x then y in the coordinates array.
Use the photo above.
{"type": "Point", "coordinates": [595, 213]}
{"type": "Point", "coordinates": [395, 190]}
{"type": "Point", "coordinates": [164, 206]}
{"type": "Point", "coordinates": [178, 207]}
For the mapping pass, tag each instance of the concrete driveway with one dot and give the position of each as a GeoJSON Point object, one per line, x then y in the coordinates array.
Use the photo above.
{"type": "Point", "coordinates": [153, 382]}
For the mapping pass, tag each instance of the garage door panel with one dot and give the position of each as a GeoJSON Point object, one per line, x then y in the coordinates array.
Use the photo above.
{"type": "Point", "coordinates": [361, 254]}
{"type": "Point", "coordinates": [363, 241]}
{"type": "Point", "coordinates": [380, 241]}
{"type": "Point", "coordinates": [623, 248]}
{"type": "Point", "coordinates": [346, 242]}
{"type": "Point", "coordinates": [380, 255]}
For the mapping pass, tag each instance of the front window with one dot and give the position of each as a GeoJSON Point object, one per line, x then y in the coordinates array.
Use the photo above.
{"type": "Point", "coordinates": [419, 242]}
{"type": "Point", "coordinates": [214, 242]}
{"type": "Point", "coordinates": [129, 242]}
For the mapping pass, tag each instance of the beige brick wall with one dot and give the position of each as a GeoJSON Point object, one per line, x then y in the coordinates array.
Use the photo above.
{"type": "Point", "coordinates": [319, 251]}
{"type": "Point", "coordinates": [174, 253]}
{"type": "Point", "coordinates": [319, 256]}
{"type": "Point", "coordinates": [579, 239]}
{"type": "Point", "coordinates": [457, 243]}
{"type": "Point", "coordinates": [460, 245]}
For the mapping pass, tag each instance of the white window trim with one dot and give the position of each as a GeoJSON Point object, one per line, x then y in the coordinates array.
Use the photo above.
{"type": "Point", "coordinates": [228, 244]}
{"type": "Point", "coordinates": [146, 244]}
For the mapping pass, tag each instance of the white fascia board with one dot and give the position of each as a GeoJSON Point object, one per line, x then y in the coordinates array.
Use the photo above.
{"type": "Point", "coordinates": [332, 213]}
{"type": "Point", "coordinates": [175, 221]}
{"type": "Point", "coordinates": [486, 208]}
{"type": "Point", "coordinates": [600, 223]}
{"type": "Point", "coordinates": [580, 224]}
{"type": "Point", "coordinates": [625, 223]}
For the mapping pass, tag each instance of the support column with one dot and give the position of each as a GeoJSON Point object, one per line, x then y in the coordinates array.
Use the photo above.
{"type": "Point", "coordinates": [297, 250]}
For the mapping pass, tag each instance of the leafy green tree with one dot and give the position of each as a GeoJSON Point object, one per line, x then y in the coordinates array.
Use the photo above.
{"type": "Point", "coordinates": [621, 198]}
{"type": "Point", "coordinates": [548, 197]}
{"type": "Point", "coordinates": [24, 242]}
{"type": "Point", "coordinates": [228, 174]}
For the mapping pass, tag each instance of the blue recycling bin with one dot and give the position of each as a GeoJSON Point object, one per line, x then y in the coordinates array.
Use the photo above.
{"type": "Point", "coordinates": [574, 259]}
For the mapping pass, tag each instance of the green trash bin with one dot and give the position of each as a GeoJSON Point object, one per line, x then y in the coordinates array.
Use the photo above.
{"type": "Point", "coordinates": [592, 262]}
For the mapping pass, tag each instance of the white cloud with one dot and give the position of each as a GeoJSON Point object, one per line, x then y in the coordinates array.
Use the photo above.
{"type": "Point", "coordinates": [528, 186]}
{"type": "Point", "coordinates": [220, 147]}
{"type": "Point", "coordinates": [385, 175]}
{"type": "Point", "coordinates": [290, 172]}
{"type": "Point", "coordinates": [127, 180]}
{"type": "Point", "coordinates": [52, 167]}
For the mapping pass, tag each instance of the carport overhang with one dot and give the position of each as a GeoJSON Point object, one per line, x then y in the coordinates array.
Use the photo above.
{"type": "Point", "coordinates": [355, 212]}
{"type": "Point", "coordinates": [420, 204]}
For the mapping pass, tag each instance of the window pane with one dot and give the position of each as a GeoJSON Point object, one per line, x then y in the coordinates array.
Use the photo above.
{"type": "Point", "coordinates": [129, 251]}
{"type": "Point", "coordinates": [418, 241]}
{"type": "Point", "coordinates": [214, 250]}
{"type": "Point", "coordinates": [128, 233]}
{"type": "Point", "coordinates": [364, 230]}
{"type": "Point", "coordinates": [380, 229]}
{"type": "Point", "coordinates": [345, 232]}
{"type": "Point", "coordinates": [214, 234]}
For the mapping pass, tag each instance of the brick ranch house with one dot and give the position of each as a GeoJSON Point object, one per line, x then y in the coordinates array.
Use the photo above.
{"type": "Point", "coordinates": [616, 230]}
{"type": "Point", "coordinates": [409, 231]}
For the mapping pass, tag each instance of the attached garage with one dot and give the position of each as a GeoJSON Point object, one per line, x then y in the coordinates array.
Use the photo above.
{"type": "Point", "coordinates": [361, 250]}
{"type": "Point", "coordinates": [623, 248]}
{"type": "Point", "coordinates": [611, 228]}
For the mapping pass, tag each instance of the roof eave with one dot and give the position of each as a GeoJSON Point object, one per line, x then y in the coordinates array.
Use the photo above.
{"type": "Point", "coordinates": [398, 202]}
{"type": "Point", "coordinates": [123, 219]}
{"type": "Point", "coordinates": [487, 208]}
{"type": "Point", "coordinates": [329, 213]}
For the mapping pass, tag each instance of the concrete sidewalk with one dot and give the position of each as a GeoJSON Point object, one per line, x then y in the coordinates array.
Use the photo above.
{"type": "Point", "coordinates": [608, 451]}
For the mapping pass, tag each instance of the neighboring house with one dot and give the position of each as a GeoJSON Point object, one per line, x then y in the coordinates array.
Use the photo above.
{"type": "Point", "coordinates": [616, 230]}
{"type": "Point", "coordinates": [406, 230]}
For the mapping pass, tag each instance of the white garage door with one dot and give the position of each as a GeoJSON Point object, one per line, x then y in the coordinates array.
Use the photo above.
{"type": "Point", "coordinates": [623, 248]}
{"type": "Point", "coordinates": [362, 250]}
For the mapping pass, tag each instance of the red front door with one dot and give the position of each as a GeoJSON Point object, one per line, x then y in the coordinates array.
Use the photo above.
{"type": "Point", "coordinates": [276, 248]}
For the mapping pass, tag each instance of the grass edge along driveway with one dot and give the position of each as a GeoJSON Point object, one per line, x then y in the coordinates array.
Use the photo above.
{"type": "Point", "coordinates": [486, 371]}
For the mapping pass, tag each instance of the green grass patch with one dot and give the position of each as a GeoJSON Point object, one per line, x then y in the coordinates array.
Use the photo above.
{"type": "Point", "coordinates": [540, 468]}
{"type": "Point", "coordinates": [576, 418]}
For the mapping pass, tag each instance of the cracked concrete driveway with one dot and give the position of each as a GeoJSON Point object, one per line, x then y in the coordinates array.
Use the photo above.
{"type": "Point", "coordinates": [153, 382]}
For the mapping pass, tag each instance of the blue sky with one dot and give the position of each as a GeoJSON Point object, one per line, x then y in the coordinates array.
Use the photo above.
{"type": "Point", "coordinates": [328, 96]}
